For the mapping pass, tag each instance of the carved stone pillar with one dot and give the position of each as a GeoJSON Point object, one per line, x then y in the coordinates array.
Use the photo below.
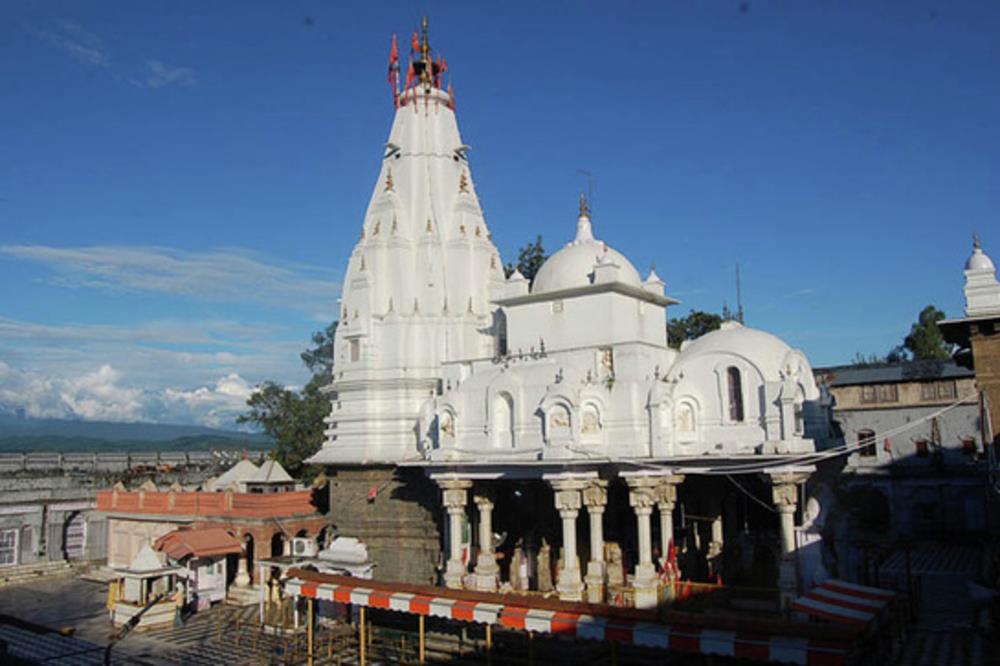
{"type": "Point", "coordinates": [642, 498]}
{"type": "Point", "coordinates": [666, 500]}
{"type": "Point", "coordinates": [785, 493]}
{"type": "Point", "coordinates": [487, 571]}
{"type": "Point", "coordinates": [567, 496]}
{"type": "Point", "coordinates": [595, 498]}
{"type": "Point", "coordinates": [454, 494]}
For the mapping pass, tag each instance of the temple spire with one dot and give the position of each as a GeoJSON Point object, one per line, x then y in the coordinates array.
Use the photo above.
{"type": "Point", "coordinates": [583, 229]}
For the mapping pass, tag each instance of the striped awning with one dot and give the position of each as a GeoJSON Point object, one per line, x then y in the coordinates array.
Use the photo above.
{"type": "Point", "coordinates": [844, 602]}
{"type": "Point", "coordinates": [685, 638]}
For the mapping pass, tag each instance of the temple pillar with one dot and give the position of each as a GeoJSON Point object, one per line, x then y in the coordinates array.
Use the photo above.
{"type": "Point", "coordinates": [454, 494]}
{"type": "Point", "coordinates": [785, 493]}
{"type": "Point", "coordinates": [487, 571]}
{"type": "Point", "coordinates": [642, 498]}
{"type": "Point", "coordinates": [567, 496]}
{"type": "Point", "coordinates": [595, 498]}
{"type": "Point", "coordinates": [242, 575]}
{"type": "Point", "coordinates": [666, 500]}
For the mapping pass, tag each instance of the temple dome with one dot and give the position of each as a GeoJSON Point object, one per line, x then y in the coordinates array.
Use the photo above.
{"type": "Point", "coordinates": [765, 351]}
{"type": "Point", "coordinates": [573, 265]}
{"type": "Point", "coordinates": [979, 261]}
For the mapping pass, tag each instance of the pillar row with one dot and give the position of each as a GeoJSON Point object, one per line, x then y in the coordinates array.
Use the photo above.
{"type": "Point", "coordinates": [454, 494]}
{"type": "Point", "coordinates": [595, 498]}
{"type": "Point", "coordinates": [487, 571]}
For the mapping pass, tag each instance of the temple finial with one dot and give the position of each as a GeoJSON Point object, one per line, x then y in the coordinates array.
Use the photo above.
{"type": "Point", "coordinates": [584, 212]}
{"type": "Point", "coordinates": [975, 242]}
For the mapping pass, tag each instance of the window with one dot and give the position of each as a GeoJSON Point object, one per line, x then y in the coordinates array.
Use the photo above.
{"type": "Point", "coordinates": [943, 390]}
{"type": "Point", "coordinates": [735, 394]}
{"type": "Point", "coordinates": [868, 393]}
{"type": "Point", "coordinates": [8, 547]}
{"type": "Point", "coordinates": [947, 390]}
{"type": "Point", "coordinates": [887, 393]}
{"type": "Point", "coordinates": [921, 448]}
{"type": "Point", "coordinates": [355, 349]}
{"type": "Point", "coordinates": [866, 440]}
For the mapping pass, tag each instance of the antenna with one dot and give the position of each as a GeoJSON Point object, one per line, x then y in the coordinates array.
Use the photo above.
{"type": "Point", "coordinates": [739, 296]}
{"type": "Point", "coordinates": [590, 188]}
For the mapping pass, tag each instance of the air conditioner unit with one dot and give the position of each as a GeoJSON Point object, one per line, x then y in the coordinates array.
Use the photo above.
{"type": "Point", "coordinates": [303, 547]}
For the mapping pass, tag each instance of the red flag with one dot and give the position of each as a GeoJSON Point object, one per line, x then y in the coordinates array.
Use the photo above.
{"type": "Point", "coordinates": [415, 44]}
{"type": "Point", "coordinates": [718, 579]}
{"type": "Point", "coordinates": [887, 445]}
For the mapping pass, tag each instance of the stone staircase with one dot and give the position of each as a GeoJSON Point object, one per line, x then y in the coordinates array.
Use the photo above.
{"type": "Point", "coordinates": [25, 573]}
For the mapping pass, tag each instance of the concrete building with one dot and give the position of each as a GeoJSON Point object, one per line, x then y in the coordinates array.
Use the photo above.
{"type": "Point", "coordinates": [264, 523]}
{"type": "Point", "coordinates": [920, 448]}
{"type": "Point", "coordinates": [517, 407]}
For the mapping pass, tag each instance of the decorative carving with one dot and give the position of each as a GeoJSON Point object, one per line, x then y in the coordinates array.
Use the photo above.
{"type": "Point", "coordinates": [595, 495]}
{"type": "Point", "coordinates": [559, 418]}
{"type": "Point", "coordinates": [378, 226]}
{"type": "Point", "coordinates": [568, 502]}
{"type": "Point", "coordinates": [389, 185]}
{"type": "Point", "coordinates": [785, 496]}
{"type": "Point", "coordinates": [590, 420]}
{"type": "Point", "coordinates": [641, 498]}
{"type": "Point", "coordinates": [463, 183]}
{"type": "Point", "coordinates": [666, 489]}
{"type": "Point", "coordinates": [447, 425]}
{"type": "Point", "coordinates": [685, 418]}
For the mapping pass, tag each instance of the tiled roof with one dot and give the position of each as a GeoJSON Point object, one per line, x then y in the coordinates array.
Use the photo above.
{"type": "Point", "coordinates": [914, 371]}
{"type": "Point", "coordinates": [202, 542]}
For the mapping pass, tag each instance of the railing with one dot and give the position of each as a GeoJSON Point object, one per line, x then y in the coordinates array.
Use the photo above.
{"type": "Point", "coordinates": [112, 461]}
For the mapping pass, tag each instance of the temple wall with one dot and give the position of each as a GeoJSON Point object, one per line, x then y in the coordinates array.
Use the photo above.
{"type": "Point", "coordinates": [400, 526]}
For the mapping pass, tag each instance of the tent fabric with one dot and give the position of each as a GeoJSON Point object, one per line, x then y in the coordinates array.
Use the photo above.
{"type": "Point", "coordinates": [522, 615]}
{"type": "Point", "coordinates": [202, 542]}
{"type": "Point", "coordinates": [843, 602]}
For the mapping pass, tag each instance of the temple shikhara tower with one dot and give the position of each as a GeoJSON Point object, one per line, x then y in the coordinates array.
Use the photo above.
{"type": "Point", "coordinates": [476, 414]}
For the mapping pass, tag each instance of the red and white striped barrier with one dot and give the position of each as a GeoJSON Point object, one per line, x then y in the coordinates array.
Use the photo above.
{"type": "Point", "coordinates": [405, 602]}
{"type": "Point", "coordinates": [844, 602]}
{"type": "Point", "coordinates": [782, 649]}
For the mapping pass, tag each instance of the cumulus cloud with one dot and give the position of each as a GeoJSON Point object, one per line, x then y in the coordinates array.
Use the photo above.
{"type": "Point", "coordinates": [103, 394]}
{"type": "Point", "coordinates": [222, 276]}
{"type": "Point", "coordinates": [160, 74]}
{"type": "Point", "coordinates": [74, 40]}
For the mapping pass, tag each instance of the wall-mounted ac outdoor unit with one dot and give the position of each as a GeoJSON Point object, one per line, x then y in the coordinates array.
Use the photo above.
{"type": "Point", "coordinates": [303, 547]}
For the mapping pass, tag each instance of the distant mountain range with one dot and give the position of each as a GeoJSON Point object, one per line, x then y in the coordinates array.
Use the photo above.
{"type": "Point", "coordinates": [26, 434]}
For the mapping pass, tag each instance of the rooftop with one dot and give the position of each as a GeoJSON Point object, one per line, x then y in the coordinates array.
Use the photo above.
{"type": "Point", "coordinates": [887, 373]}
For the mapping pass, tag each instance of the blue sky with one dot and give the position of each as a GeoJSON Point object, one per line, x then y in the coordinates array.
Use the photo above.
{"type": "Point", "coordinates": [182, 183]}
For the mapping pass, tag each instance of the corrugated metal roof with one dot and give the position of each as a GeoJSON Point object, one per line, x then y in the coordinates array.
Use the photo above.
{"type": "Point", "coordinates": [914, 371]}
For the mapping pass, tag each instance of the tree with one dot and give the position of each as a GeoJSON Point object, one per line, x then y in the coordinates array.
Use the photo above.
{"type": "Point", "coordinates": [694, 325]}
{"type": "Point", "coordinates": [294, 419]}
{"type": "Point", "coordinates": [925, 342]}
{"type": "Point", "coordinates": [529, 259]}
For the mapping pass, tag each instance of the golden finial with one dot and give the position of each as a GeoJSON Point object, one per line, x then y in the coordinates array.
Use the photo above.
{"type": "Point", "coordinates": [389, 185]}
{"type": "Point", "coordinates": [425, 54]}
{"type": "Point", "coordinates": [584, 212]}
{"type": "Point", "coordinates": [463, 183]}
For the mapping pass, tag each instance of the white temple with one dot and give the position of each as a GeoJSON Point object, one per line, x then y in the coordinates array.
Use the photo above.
{"type": "Point", "coordinates": [444, 364]}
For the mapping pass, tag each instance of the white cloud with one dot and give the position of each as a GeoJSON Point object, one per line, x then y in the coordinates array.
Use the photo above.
{"type": "Point", "coordinates": [77, 42]}
{"type": "Point", "coordinates": [103, 395]}
{"type": "Point", "coordinates": [222, 276]}
{"type": "Point", "coordinates": [160, 75]}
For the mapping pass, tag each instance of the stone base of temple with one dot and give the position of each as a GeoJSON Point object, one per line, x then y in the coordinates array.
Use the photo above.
{"type": "Point", "coordinates": [399, 524]}
{"type": "Point", "coordinates": [594, 581]}
{"type": "Point", "coordinates": [646, 597]}
{"type": "Point", "coordinates": [242, 596]}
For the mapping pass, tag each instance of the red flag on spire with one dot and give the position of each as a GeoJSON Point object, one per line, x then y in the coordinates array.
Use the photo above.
{"type": "Point", "coordinates": [415, 44]}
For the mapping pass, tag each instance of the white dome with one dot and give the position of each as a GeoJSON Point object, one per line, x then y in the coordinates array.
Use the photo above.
{"type": "Point", "coordinates": [573, 266]}
{"type": "Point", "coordinates": [979, 261]}
{"type": "Point", "coordinates": [765, 351]}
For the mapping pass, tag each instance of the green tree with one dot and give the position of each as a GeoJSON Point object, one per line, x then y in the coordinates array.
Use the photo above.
{"type": "Point", "coordinates": [925, 342]}
{"type": "Point", "coordinates": [694, 325]}
{"type": "Point", "coordinates": [294, 419]}
{"type": "Point", "coordinates": [529, 259]}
